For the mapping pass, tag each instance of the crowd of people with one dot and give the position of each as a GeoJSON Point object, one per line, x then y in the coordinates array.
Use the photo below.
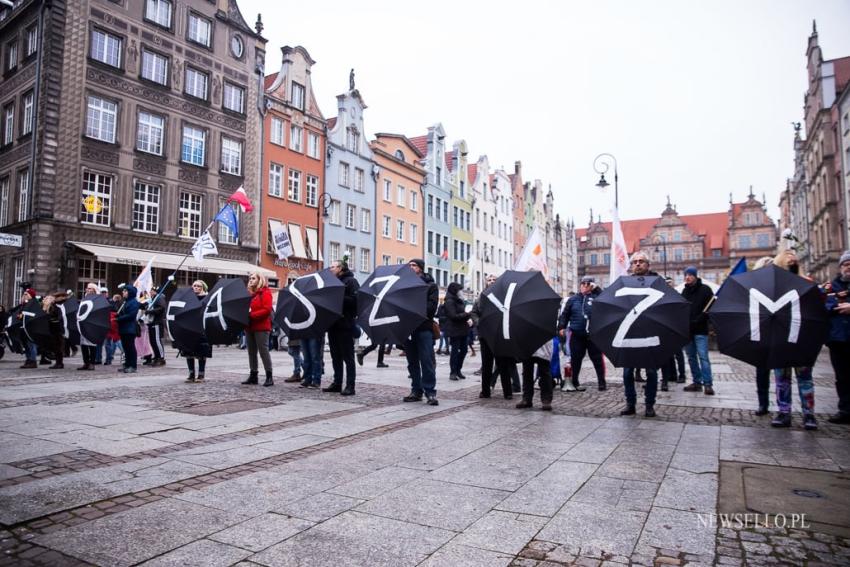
{"type": "Point", "coordinates": [137, 327]}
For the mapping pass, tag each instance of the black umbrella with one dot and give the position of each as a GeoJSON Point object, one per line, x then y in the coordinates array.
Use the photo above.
{"type": "Point", "coordinates": [37, 325]}
{"type": "Point", "coordinates": [519, 313]}
{"type": "Point", "coordinates": [770, 318]}
{"type": "Point", "coordinates": [184, 319]}
{"type": "Point", "coordinates": [93, 319]}
{"type": "Point", "coordinates": [14, 330]}
{"type": "Point", "coordinates": [640, 322]}
{"type": "Point", "coordinates": [391, 303]}
{"type": "Point", "coordinates": [226, 311]}
{"type": "Point", "coordinates": [68, 310]}
{"type": "Point", "coordinates": [307, 307]}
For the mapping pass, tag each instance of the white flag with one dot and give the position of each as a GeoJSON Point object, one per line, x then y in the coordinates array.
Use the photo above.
{"type": "Point", "coordinates": [203, 246]}
{"type": "Point", "coordinates": [619, 254]}
{"type": "Point", "coordinates": [144, 283]}
{"type": "Point", "coordinates": [533, 255]}
{"type": "Point", "coordinates": [282, 244]}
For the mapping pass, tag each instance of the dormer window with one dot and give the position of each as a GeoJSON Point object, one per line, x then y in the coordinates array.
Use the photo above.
{"type": "Point", "coordinates": [399, 155]}
{"type": "Point", "coordinates": [352, 139]}
{"type": "Point", "coordinates": [297, 96]}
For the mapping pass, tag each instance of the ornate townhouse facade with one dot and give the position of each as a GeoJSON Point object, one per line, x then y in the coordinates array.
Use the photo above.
{"type": "Point", "coordinates": [461, 207]}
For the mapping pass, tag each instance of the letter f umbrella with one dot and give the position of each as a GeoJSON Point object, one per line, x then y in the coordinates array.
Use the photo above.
{"type": "Point", "coordinates": [307, 307]}
{"type": "Point", "coordinates": [770, 318]}
{"type": "Point", "coordinates": [391, 303]}
{"type": "Point", "coordinates": [519, 313]}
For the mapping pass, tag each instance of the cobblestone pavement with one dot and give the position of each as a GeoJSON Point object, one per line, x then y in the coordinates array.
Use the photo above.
{"type": "Point", "coordinates": [102, 468]}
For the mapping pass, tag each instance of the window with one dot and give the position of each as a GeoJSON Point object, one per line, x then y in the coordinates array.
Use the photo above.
{"type": "Point", "coordinates": [388, 189]}
{"type": "Point", "coordinates": [350, 216]}
{"type": "Point", "coordinates": [593, 259]}
{"type": "Point", "coordinates": [414, 201]}
{"type": "Point", "coordinates": [8, 123]}
{"type": "Point", "coordinates": [225, 235]}
{"type": "Point", "coordinates": [297, 96]}
{"type": "Point", "coordinates": [439, 175]}
{"type": "Point", "coordinates": [194, 145]}
{"type": "Point", "coordinates": [414, 234]}
{"type": "Point", "coordinates": [468, 217]}
{"type": "Point", "coordinates": [385, 230]}
{"type": "Point", "coordinates": [31, 42]}
{"type": "Point", "coordinates": [429, 242]}
{"type": "Point", "coordinates": [101, 118]}
{"type": "Point", "coordinates": [296, 135]}
{"type": "Point", "coordinates": [150, 133]}
{"type": "Point", "coordinates": [231, 156]}
{"type": "Point", "coordinates": [197, 83]}
{"type": "Point", "coordinates": [763, 240]}
{"type": "Point", "coordinates": [12, 54]}
{"type": "Point", "coordinates": [365, 220]}
{"type": "Point", "coordinates": [312, 191]}
{"type": "Point", "coordinates": [400, 260]}
{"type": "Point", "coordinates": [343, 174]}
{"type": "Point", "coordinates": [275, 180]}
{"type": "Point", "coordinates": [146, 207]}
{"type": "Point", "coordinates": [105, 48]}
{"type": "Point", "coordinates": [365, 260]}
{"type": "Point", "coordinates": [399, 230]}
{"type": "Point", "coordinates": [386, 259]}
{"type": "Point", "coordinates": [234, 98]}
{"type": "Point", "coordinates": [154, 67]}
{"type": "Point", "coordinates": [4, 201]}
{"type": "Point", "coordinates": [445, 211]}
{"type": "Point", "coordinates": [97, 196]}
{"type": "Point", "coordinates": [430, 205]}
{"type": "Point", "coordinates": [88, 270]}
{"type": "Point", "coordinates": [678, 254]}
{"type": "Point", "coordinates": [294, 188]}
{"type": "Point", "coordinates": [333, 213]}
{"type": "Point", "coordinates": [159, 12]}
{"type": "Point", "coordinates": [352, 139]}
{"type": "Point", "coordinates": [200, 29]}
{"type": "Point", "coordinates": [400, 196]}
{"type": "Point", "coordinates": [454, 218]}
{"type": "Point", "coordinates": [399, 155]}
{"type": "Point", "coordinates": [276, 134]}
{"type": "Point", "coordinates": [349, 254]}
{"type": "Point", "coordinates": [744, 241]}
{"type": "Point", "coordinates": [313, 149]}
{"type": "Point", "coordinates": [359, 179]}
{"type": "Point", "coordinates": [23, 194]}
{"type": "Point", "coordinates": [189, 215]}
{"type": "Point", "coordinates": [333, 251]}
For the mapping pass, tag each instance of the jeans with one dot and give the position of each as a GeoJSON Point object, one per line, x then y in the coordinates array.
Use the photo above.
{"type": "Point", "coordinates": [295, 353]}
{"type": "Point", "coordinates": [839, 356]}
{"type": "Point", "coordinates": [30, 351]}
{"type": "Point", "coordinates": [258, 341]}
{"type": "Point", "coordinates": [650, 389]}
{"type": "Point", "coordinates": [444, 342]}
{"type": "Point", "coordinates": [697, 351]}
{"type": "Point", "coordinates": [129, 344]}
{"type": "Point", "coordinates": [763, 386]}
{"type": "Point", "coordinates": [805, 389]}
{"type": "Point", "coordinates": [458, 354]}
{"type": "Point", "coordinates": [546, 383]}
{"type": "Point", "coordinates": [579, 345]}
{"type": "Point", "coordinates": [110, 346]}
{"type": "Point", "coordinates": [341, 342]}
{"type": "Point", "coordinates": [419, 350]}
{"type": "Point", "coordinates": [312, 349]}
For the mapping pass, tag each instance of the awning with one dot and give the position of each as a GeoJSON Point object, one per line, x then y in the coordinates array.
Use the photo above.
{"type": "Point", "coordinates": [297, 240]}
{"type": "Point", "coordinates": [138, 257]}
{"type": "Point", "coordinates": [313, 242]}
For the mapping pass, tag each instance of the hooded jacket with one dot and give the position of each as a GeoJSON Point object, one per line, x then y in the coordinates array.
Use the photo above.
{"type": "Point", "coordinates": [456, 315]}
{"type": "Point", "coordinates": [839, 331]}
{"type": "Point", "coordinates": [698, 295]}
{"type": "Point", "coordinates": [129, 312]}
{"type": "Point", "coordinates": [349, 302]}
{"type": "Point", "coordinates": [432, 302]}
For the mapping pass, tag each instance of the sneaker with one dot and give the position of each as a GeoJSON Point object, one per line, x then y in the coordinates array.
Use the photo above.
{"type": "Point", "coordinates": [693, 388]}
{"type": "Point", "coordinates": [432, 401]}
{"type": "Point", "coordinates": [347, 392]}
{"type": "Point", "coordinates": [360, 358]}
{"type": "Point", "coordinates": [781, 420]}
{"type": "Point", "coordinates": [580, 388]}
{"type": "Point", "coordinates": [304, 384]}
{"type": "Point", "coordinates": [524, 404]}
{"type": "Point", "coordinates": [132, 370]}
{"type": "Point", "coordinates": [567, 387]}
{"type": "Point", "coordinates": [708, 391]}
{"type": "Point", "coordinates": [809, 422]}
{"type": "Point", "coordinates": [199, 378]}
{"type": "Point", "coordinates": [628, 410]}
{"type": "Point", "coordinates": [411, 397]}
{"type": "Point", "coordinates": [191, 377]}
{"type": "Point", "coordinates": [453, 377]}
{"type": "Point", "coordinates": [382, 365]}
{"type": "Point", "coordinates": [649, 412]}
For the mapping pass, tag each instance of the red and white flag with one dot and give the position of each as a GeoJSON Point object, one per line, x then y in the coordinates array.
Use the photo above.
{"type": "Point", "coordinates": [619, 254]}
{"type": "Point", "coordinates": [241, 197]}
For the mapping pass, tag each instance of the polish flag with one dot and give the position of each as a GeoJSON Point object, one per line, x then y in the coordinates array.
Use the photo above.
{"type": "Point", "coordinates": [241, 197]}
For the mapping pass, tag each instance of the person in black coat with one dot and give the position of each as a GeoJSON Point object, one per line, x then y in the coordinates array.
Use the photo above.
{"type": "Point", "coordinates": [457, 329]}
{"type": "Point", "coordinates": [155, 317]}
{"type": "Point", "coordinates": [576, 318]}
{"type": "Point", "coordinates": [341, 333]}
{"type": "Point", "coordinates": [419, 348]}
{"type": "Point", "coordinates": [127, 328]}
{"type": "Point", "coordinates": [505, 367]}
{"type": "Point", "coordinates": [699, 295]}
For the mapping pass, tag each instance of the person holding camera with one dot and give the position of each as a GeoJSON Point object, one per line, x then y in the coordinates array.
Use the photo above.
{"type": "Point", "coordinates": [838, 304]}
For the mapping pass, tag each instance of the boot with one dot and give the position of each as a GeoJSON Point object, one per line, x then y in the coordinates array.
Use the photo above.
{"type": "Point", "coordinates": [650, 411]}
{"type": "Point", "coordinates": [252, 378]}
{"type": "Point", "coordinates": [629, 410]}
{"type": "Point", "coordinates": [269, 380]}
{"type": "Point", "coordinates": [191, 377]}
{"type": "Point", "coordinates": [29, 364]}
{"type": "Point", "coordinates": [56, 365]}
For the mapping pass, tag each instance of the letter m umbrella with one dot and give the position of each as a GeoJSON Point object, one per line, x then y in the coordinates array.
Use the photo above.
{"type": "Point", "coordinates": [770, 318]}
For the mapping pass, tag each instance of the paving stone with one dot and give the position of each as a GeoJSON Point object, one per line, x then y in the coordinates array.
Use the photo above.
{"type": "Point", "coordinates": [353, 539]}
{"type": "Point", "coordinates": [596, 526]}
{"type": "Point", "coordinates": [677, 530]}
{"type": "Point", "coordinates": [682, 490]}
{"type": "Point", "coordinates": [15, 448]}
{"type": "Point", "coordinates": [203, 553]}
{"type": "Point", "coordinates": [377, 483]}
{"type": "Point", "coordinates": [546, 493]}
{"type": "Point", "coordinates": [503, 532]}
{"type": "Point", "coordinates": [7, 472]}
{"type": "Point", "coordinates": [219, 460]}
{"type": "Point", "coordinates": [454, 554]}
{"type": "Point", "coordinates": [319, 507]}
{"type": "Point", "coordinates": [262, 531]}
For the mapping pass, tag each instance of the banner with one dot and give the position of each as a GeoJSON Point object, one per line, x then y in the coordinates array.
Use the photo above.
{"type": "Point", "coordinates": [619, 255]}
{"type": "Point", "coordinates": [204, 246]}
{"type": "Point", "coordinates": [533, 255]}
{"type": "Point", "coordinates": [144, 283]}
{"type": "Point", "coordinates": [282, 244]}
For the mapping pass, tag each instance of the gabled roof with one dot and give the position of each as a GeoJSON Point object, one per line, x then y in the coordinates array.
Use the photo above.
{"type": "Point", "coordinates": [331, 123]}
{"type": "Point", "coordinates": [404, 139]}
{"type": "Point", "coordinates": [449, 159]}
{"type": "Point", "coordinates": [421, 144]}
{"type": "Point", "coordinates": [472, 172]}
{"type": "Point", "coordinates": [269, 81]}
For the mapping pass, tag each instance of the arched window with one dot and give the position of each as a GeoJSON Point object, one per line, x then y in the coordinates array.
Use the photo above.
{"type": "Point", "coordinates": [399, 155]}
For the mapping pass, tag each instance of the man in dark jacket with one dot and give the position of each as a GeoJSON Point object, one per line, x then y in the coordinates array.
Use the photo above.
{"type": "Point", "coordinates": [127, 327]}
{"type": "Point", "coordinates": [341, 333]}
{"type": "Point", "coordinates": [488, 357]}
{"type": "Point", "coordinates": [838, 304]}
{"type": "Point", "coordinates": [419, 348]}
{"type": "Point", "coordinates": [640, 267]}
{"type": "Point", "coordinates": [457, 329]}
{"type": "Point", "coordinates": [576, 318]}
{"type": "Point", "coordinates": [699, 295]}
{"type": "Point", "coordinates": [155, 313]}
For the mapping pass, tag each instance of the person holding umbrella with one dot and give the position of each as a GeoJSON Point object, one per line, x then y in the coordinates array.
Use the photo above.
{"type": "Point", "coordinates": [51, 305]}
{"type": "Point", "coordinates": [203, 349]}
{"type": "Point", "coordinates": [640, 267]}
{"type": "Point", "coordinates": [155, 313]}
{"type": "Point", "coordinates": [89, 349]}
{"type": "Point", "coordinates": [699, 295]}
{"type": "Point", "coordinates": [341, 333]}
{"type": "Point", "coordinates": [419, 348]}
{"type": "Point", "coordinates": [259, 327]}
{"type": "Point", "coordinates": [457, 329]}
{"type": "Point", "coordinates": [30, 349]}
{"type": "Point", "coordinates": [488, 358]}
{"type": "Point", "coordinates": [542, 361]}
{"type": "Point", "coordinates": [576, 317]}
{"type": "Point", "coordinates": [763, 372]}
{"type": "Point", "coordinates": [838, 304]}
{"type": "Point", "coordinates": [127, 327]}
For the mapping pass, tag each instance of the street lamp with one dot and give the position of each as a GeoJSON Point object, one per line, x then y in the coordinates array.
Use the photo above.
{"type": "Point", "coordinates": [324, 203]}
{"type": "Point", "coordinates": [601, 164]}
{"type": "Point", "coordinates": [663, 242]}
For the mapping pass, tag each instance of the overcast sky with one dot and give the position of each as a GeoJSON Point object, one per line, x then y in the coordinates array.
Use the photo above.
{"type": "Point", "coordinates": [695, 99]}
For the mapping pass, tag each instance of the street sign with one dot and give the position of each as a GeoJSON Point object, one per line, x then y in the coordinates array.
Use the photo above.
{"type": "Point", "coordinates": [7, 239]}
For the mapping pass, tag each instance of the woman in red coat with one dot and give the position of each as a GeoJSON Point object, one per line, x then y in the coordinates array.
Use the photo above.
{"type": "Point", "coordinates": [259, 327]}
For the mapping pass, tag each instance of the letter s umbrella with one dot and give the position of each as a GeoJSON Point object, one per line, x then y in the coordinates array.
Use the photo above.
{"type": "Point", "coordinates": [770, 318]}
{"type": "Point", "coordinates": [307, 307]}
{"type": "Point", "coordinates": [640, 322]}
{"type": "Point", "coordinates": [93, 319]}
{"type": "Point", "coordinates": [519, 313]}
{"type": "Point", "coordinates": [184, 319]}
{"type": "Point", "coordinates": [226, 311]}
{"type": "Point", "coordinates": [391, 303]}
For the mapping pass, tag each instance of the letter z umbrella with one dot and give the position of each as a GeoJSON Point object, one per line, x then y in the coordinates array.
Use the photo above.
{"type": "Point", "coordinates": [391, 303]}
{"type": "Point", "coordinates": [307, 307]}
{"type": "Point", "coordinates": [226, 311]}
{"type": "Point", "coordinates": [770, 318]}
{"type": "Point", "coordinates": [519, 313]}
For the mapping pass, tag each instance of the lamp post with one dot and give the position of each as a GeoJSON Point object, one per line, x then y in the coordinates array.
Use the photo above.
{"type": "Point", "coordinates": [663, 242]}
{"type": "Point", "coordinates": [324, 203]}
{"type": "Point", "coordinates": [601, 164]}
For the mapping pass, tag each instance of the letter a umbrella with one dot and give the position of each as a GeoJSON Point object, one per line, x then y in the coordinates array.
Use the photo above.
{"type": "Point", "coordinates": [226, 311]}
{"type": "Point", "coordinates": [391, 303]}
{"type": "Point", "coordinates": [519, 313]}
{"type": "Point", "coordinates": [639, 322]}
{"type": "Point", "coordinates": [770, 318]}
{"type": "Point", "coordinates": [93, 319]}
{"type": "Point", "coordinates": [307, 307]}
{"type": "Point", "coordinates": [184, 319]}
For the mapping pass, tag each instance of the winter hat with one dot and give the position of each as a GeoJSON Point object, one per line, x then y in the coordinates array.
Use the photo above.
{"type": "Point", "coordinates": [587, 279]}
{"type": "Point", "coordinates": [844, 257]}
{"type": "Point", "coordinates": [691, 271]}
{"type": "Point", "coordinates": [31, 292]}
{"type": "Point", "coordinates": [419, 262]}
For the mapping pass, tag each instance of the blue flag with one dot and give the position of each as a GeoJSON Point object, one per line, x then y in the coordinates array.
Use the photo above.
{"type": "Point", "coordinates": [227, 217]}
{"type": "Point", "coordinates": [739, 268]}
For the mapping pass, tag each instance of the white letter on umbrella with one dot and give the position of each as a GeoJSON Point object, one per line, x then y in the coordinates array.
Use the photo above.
{"type": "Point", "coordinates": [373, 319]}
{"type": "Point", "coordinates": [86, 307]}
{"type": "Point", "coordinates": [168, 315]}
{"type": "Point", "coordinates": [652, 296]}
{"type": "Point", "coordinates": [308, 305]}
{"type": "Point", "coordinates": [757, 297]}
{"type": "Point", "coordinates": [215, 297]}
{"type": "Point", "coordinates": [505, 309]}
